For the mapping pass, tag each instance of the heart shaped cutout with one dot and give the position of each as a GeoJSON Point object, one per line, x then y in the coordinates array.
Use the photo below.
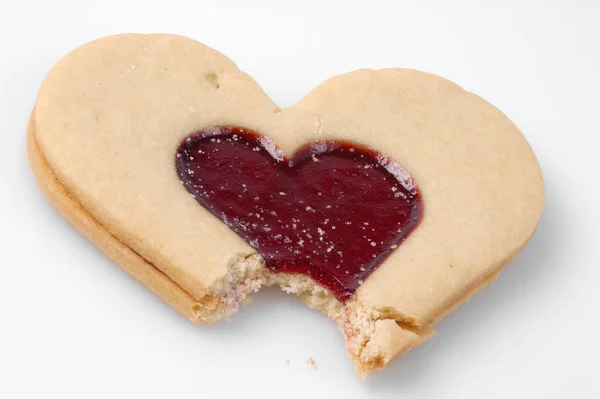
{"type": "Point", "coordinates": [334, 212]}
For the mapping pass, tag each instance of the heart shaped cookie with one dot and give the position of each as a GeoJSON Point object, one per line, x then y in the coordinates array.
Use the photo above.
{"type": "Point", "coordinates": [383, 198]}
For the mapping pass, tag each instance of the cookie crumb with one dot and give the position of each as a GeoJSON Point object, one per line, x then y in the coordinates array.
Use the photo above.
{"type": "Point", "coordinates": [315, 159]}
{"type": "Point", "coordinates": [394, 246]}
{"type": "Point", "coordinates": [213, 79]}
{"type": "Point", "coordinates": [312, 363]}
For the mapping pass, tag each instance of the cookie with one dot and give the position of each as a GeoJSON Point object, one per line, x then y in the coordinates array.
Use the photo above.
{"type": "Point", "coordinates": [383, 198]}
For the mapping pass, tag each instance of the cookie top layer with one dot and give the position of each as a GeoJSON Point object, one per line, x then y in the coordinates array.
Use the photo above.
{"type": "Point", "coordinates": [111, 115]}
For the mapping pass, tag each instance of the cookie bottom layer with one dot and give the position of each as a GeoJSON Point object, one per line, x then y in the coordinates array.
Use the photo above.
{"type": "Point", "coordinates": [373, 337]}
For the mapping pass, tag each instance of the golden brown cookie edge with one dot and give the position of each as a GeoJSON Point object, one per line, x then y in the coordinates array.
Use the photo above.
{"type": "Point", "coordinates": [116, 250]}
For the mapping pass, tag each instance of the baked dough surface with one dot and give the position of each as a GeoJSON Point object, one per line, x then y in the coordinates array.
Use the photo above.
{"type": "Point", "coordinates": [110, 116]}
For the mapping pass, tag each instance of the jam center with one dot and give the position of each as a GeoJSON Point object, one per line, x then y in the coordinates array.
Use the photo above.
{"type": "Point", "coordinates": [334, 211]}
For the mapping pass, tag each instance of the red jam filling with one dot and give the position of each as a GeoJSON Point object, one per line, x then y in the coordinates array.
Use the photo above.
{"type": "Point", "coordinates": [334, 211]}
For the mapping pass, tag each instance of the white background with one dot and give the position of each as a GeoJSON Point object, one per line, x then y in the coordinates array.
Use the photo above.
{"type": "Point", "coordinates": [73, 325]}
